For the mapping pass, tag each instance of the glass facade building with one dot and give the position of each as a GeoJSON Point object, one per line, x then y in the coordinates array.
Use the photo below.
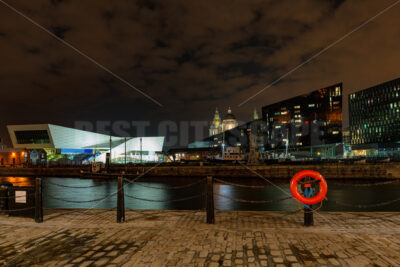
{"type": "Point", "coordinates": [374, 120]}
{"type": "Point", "coordinates": [305, 122]}
{"type": "Point", "coordinates": [63, 143]}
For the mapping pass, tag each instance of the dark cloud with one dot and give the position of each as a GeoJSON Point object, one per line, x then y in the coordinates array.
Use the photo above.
{"type": "Point", "coordinates": [191, 56]}
{"type": "Point", "coordinates": [60, 31]}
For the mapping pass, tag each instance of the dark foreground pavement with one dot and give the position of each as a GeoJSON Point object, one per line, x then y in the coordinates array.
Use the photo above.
{"type": "Point", "coordinates": [182, 238]}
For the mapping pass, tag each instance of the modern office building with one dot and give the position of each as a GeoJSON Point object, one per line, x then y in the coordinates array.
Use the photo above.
{"type": "Point", "coordinates": [62, 143]}
{"type": "Point", "coordinates": [308, 125]}
{"type": "Point", "coordinates": [374, 118]}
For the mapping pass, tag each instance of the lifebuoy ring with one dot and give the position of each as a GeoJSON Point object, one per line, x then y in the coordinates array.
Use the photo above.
{"type": "Point", "coordinates": [323, 187]}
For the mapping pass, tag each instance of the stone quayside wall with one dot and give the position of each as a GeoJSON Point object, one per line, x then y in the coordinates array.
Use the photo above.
{"type": "Point", "coordinates": [329, 171]}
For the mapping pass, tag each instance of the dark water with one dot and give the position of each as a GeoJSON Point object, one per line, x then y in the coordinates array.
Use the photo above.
{"type": "Point", "coordinates": [342, 196]}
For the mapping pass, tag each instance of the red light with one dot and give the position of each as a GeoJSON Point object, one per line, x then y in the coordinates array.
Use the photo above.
{"type": "Point", "coordinates": [307, 122]}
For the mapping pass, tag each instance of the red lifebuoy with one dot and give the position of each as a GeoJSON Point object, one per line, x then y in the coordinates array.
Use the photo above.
{"type": "Point", "coordinates": [323, 187]}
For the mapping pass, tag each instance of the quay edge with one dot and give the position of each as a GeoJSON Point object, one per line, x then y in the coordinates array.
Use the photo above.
{"type": "Point", "coordinates": [329, 171]}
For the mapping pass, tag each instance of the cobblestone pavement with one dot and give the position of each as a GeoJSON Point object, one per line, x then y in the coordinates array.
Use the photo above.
{"type": "Point", "coordinates": [182, 238]}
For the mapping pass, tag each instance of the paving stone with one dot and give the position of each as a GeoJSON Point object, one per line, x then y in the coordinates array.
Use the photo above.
{"type": "Point", "coordinates": [255, 239]}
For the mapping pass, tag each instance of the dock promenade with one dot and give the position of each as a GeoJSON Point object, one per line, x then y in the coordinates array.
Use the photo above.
{"type": "Point", "coordinates": [182, 238]}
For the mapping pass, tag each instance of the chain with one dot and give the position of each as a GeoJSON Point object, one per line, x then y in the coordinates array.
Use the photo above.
{"type": "Point", "coordinates": [166, 188]}
{"type": "Point", "coordinates": [67, 186]}
{"type": "Point", "coordinates": [362, 185]}
{"type": "Point", "coordinates": [239, 185]}
{"type": "Point", "coordinates": [76, 201]}
{"type": "Point", "coordinates": [18, 209]}
{"type": "Point", "coordinates": [253, 201]}
{"type": "Point", "coordinates": [368, 205]}
{"type": "Point", "coordinates": [174, 200]}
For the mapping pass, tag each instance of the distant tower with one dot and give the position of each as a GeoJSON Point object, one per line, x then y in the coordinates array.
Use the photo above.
{"type": "Point", "coordinates": [216, 126]}
{"type": "Point", "coordinates": [255, 115]}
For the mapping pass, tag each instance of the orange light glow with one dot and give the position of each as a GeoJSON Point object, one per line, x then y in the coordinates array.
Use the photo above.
{"type": "Point", "coordinates": [22, 154]}
{"type": "Point", "coordinates": [13, 154]}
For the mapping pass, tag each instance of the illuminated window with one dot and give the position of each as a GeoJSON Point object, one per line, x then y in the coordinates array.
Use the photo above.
{"type": "Point", "coordinates": [298, 134]}
{"type": "Point", "coordinates": [299, 144]}
{"type": "Point", "coordinates": [311, 105]}
{"type": "Point", "coordinates": [297, 107]}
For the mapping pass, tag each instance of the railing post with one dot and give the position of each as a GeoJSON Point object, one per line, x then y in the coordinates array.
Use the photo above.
{"type": "Point", "coordinates": [308, 216]}
{"type": "Point", "coordinates": [38, 201]}
{"type": "Point", "coordinates": [121, 201]}
{"type": "Point", "coordinates": [210, 200]}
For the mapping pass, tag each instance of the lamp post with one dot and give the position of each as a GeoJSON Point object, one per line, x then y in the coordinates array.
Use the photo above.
{"type": "Point", "coordinates": [141, 143]}
{"type": "Point", "coordinates": [126, 167]}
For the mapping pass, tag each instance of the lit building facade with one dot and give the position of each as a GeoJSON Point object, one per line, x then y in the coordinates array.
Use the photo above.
{"type": "Point", "coordinates": [229, 121]}
{"type": "Point", "coordinates": [64, 144]}
{"type": "Point", "coordinates": [11, 157]}
{"type": "Point", "coordinates": [218, 126]}
{"type": "Point", "coordinates": [308, 125]}
{"type": "Point", "coordinates": [374, 120]}
{"type": "Point", "coordinates": [236, 135]}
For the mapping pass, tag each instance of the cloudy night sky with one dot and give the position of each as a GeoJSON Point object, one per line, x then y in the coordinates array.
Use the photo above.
{"type": "Point", "coordinates": [190, 56]}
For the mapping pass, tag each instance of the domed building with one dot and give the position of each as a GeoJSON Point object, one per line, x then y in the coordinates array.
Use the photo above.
{"type": "Point", "coordinates": [217, 126]}
{"type": "Point", "coordinates": [229, 121]}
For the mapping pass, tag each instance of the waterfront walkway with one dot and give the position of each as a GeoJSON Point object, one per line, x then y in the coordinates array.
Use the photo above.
{"type": "Point", "coordinates": [182, 238]}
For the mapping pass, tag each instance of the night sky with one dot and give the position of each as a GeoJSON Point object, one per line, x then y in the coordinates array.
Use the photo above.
{"type": "Point", "coordinates": [190, 56]}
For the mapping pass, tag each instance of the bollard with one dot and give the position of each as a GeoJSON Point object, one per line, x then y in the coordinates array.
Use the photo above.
{"type": "Point", "coordinates": [210, 200]}
{"type": "Point", "coordinates": [120, 201]}
{"type": "Point", "coordinates": [38, 201]}
{"type": "Point", "coordinates": [308, 216]}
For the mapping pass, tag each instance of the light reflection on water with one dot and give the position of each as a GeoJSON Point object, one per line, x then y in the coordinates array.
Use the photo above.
{"type": "Point", "coordinates": [103, 188]}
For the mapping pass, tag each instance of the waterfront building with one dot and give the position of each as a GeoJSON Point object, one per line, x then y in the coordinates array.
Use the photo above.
{"type": "Point", "coordinates": [69, 145]}
{"type": "Point", "coordinates": [308, 125]}
{"type": "Point", "coordinates": [236, 135]}
{"type": "Point", "coordinates": [192, 154]}
{"type": "Point", "coordinates": [229, 121]}
{"type": "Point", "coordinates": [346, 136]}
{"type": "Point", "coordinates": [217, 126]}
{"type": "Point", "coordinates": [11, 157]}
{"type": "Point", "coordinates": [374, 119]}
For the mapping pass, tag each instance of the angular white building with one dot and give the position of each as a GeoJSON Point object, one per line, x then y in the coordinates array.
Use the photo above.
{"type": "Point", "coordinates": [59, 141]}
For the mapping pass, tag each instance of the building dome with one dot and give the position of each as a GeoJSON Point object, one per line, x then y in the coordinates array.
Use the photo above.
{"type": "Point", "coordinates": [229, 121]}
{"type": "Point", "coordinates": [229, 115]}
